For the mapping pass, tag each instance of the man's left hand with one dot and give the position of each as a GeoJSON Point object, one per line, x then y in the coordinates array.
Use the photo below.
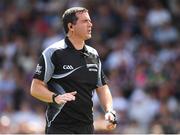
{"type": "Point", "coordinates": [110, 116]}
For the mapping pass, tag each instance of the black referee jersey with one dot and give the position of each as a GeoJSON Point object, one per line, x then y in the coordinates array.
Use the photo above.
{"type": "Point", "coordinates": [66, 69]}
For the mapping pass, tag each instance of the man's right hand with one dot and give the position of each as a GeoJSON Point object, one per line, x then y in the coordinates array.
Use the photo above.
{"type": "Point", "coordinates": [62, 99]}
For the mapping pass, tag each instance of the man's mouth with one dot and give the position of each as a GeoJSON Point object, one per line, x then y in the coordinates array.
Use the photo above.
{"type": "Point", "coordinates": [89, 31]}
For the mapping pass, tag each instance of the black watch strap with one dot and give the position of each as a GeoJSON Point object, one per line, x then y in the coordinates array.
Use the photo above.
{"type": "Point", "coordinates": [53, 98]}
{"type": "Point", "coordinates": [113, 114]}
{"type": "Point", "coordinates": [114, 121]}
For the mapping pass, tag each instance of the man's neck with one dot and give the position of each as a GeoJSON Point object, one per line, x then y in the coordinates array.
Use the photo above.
{"type": "Point", "coordinates": [77, 42]}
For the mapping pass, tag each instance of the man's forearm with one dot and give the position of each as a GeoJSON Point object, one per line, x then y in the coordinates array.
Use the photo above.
{"type": "Point", "coordinates": [106, 101]}
{"type": "Point", "coordinates": [40, 91]}
{"type": "Point", "coordinates": [105, 97]}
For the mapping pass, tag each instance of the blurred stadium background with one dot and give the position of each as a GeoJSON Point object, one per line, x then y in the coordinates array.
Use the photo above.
{"type": "Point", "coordinates": [139, 44]}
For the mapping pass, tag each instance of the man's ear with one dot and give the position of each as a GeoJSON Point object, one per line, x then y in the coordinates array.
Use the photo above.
{"type": "Point", "coordinates": [70, 26]}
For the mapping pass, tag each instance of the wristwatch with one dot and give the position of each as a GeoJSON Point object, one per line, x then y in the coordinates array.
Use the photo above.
{"type": "Point", "coordinates": [53, 98]}
{"type": "Point", "coordinates": [114, 114]}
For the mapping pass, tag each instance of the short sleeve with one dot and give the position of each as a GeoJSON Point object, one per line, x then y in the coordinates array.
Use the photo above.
{"type": "Point", "coordinates": [40, 69]}
{"type": "Point", "coordinates": [45, 66]}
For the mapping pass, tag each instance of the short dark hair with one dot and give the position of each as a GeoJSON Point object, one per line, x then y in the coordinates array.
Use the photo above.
{"type": "Point", "coordinates": [69, 16]}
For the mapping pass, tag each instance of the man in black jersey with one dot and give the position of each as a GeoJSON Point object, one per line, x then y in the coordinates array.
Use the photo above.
{"type": "Point", "coordinates": [67, 74]}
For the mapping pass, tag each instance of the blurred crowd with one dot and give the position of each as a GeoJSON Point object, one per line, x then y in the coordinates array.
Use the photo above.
{"type": "Point", "coordinates": [139, 45]}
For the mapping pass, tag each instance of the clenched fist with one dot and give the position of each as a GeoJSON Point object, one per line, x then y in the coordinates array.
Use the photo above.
{"type": "Point", "coordinates": [110, 117]}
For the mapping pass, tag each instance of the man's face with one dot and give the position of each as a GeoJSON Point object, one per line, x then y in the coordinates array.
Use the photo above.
{"type": "Point", "coordinates": [82, 28]}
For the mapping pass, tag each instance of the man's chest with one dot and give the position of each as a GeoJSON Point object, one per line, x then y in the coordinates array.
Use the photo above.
{"type": "Point", "coordinates": [76, 66]}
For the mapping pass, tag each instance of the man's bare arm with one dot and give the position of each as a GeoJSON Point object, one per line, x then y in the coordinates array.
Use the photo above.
{"type": "Point", "coordinates": [105, 97]}
{"type": "Point", "coordinates": [40, 91]}
{"type": "Point", "coordinates": [106, 102]}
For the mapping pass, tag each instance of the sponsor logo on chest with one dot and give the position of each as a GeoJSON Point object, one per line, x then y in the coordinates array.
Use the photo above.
{"type": "Point", "coordinates": [68, 67]}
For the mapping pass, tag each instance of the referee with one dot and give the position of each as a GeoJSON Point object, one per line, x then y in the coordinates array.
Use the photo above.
{"type": "Point", "coordinates": [67, 74]}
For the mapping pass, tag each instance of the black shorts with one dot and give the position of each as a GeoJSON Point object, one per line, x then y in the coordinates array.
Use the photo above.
{"type": "Point", "coordinates": [70, 129]}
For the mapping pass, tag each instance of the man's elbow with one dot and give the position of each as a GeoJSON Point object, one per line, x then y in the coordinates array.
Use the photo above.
{"type": "Point", "coordinates": [33, 92]}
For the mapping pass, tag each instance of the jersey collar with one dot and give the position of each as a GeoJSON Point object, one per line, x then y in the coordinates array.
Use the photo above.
{"type": "Point", "coordinates": [70, 45]}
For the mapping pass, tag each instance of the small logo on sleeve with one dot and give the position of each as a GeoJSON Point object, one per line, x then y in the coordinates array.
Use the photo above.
{"type": "Point", "coordinates": [38, 69]}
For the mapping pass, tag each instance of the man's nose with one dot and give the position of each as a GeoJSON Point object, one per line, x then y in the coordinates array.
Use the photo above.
{"type": "Point", "coordinates": [90, 24]}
